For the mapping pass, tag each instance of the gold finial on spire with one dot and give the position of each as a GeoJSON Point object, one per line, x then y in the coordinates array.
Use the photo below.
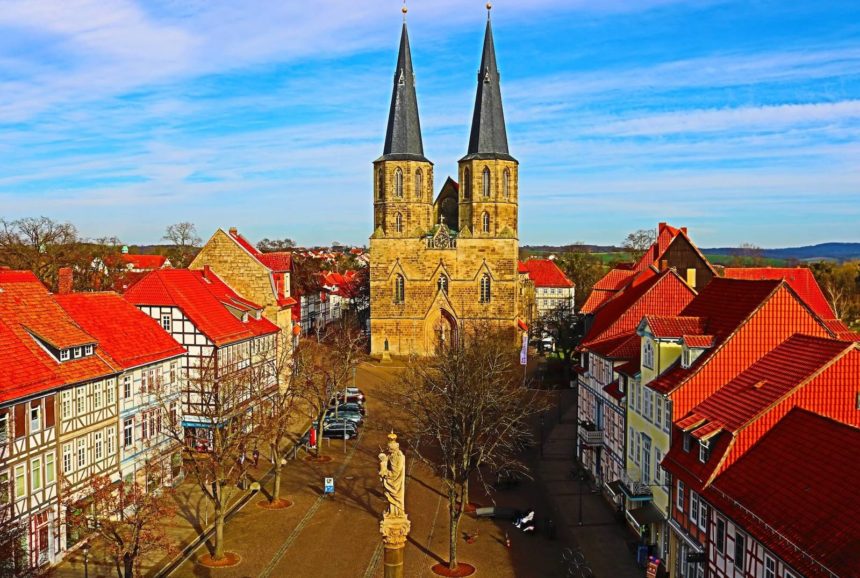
{"type": "Point", "coordinates": [404, 9]}
{"type": "Point", "coordinates": [489, 7]}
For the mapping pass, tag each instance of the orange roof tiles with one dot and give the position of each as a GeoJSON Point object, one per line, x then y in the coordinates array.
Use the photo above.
{"type": "Point", "coordinates": [280, 261]}
{"type": "Point", "coordinates": [793, 492]}
{"type": "Point", "coordinates": [800, 279]}
{"type": "Point", "coordinates": [144, 261]}
{"type": "Point", "coordinates": [674, 326]}
{"type": "Point", "coordinates": [205, 299]}
{"type": "Point", "coordinates": [545, 273]}
{"type": "Point", "coordinates": [130, 337]}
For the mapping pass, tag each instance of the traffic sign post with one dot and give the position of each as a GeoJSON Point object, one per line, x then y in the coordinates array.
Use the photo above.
{"type": "Point", "coordinates": [328, 487]}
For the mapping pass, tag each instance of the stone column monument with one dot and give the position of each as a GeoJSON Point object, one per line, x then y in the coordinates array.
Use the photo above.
{"type": "Point", "coordinates": [394, 525]}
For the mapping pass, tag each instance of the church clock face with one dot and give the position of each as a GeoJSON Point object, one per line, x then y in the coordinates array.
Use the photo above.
{"type": "Point", "coordinates": [442, 239]}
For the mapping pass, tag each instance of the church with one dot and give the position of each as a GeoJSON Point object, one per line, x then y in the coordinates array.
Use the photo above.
{"type": "Point", "coordinates": [439, 264]}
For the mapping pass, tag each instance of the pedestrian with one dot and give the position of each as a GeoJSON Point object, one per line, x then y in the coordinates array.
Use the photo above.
{"type": "Point", "coordinates": [256, 455]}
{"type": "Point", "coordinates": [530, 515]}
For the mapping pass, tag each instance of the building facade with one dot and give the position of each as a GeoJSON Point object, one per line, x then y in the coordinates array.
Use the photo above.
{"type": "Point", "coordinates": [439, 264]}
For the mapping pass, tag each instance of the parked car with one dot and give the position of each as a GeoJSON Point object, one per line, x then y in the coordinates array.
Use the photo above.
{"type": "Point", "coordinates": [353, 407]}
{"type": "Point", "coordinates": [339, 430]}
{"type": "Point", "coordinates": [350, 416]}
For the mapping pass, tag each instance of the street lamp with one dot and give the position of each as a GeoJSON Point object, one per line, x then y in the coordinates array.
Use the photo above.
{"type": "Point", "coordinates": [86, 550]}
{"type": "Point", "coordinates": [540, 431]}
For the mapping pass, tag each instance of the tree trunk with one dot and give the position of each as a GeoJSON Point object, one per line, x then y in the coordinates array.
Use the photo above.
{"type": "Point", "coordinates": [454, 510]}
{"type": "Point", "coordinates": [276, 491]}
{"type": "Point", "coordinates": [219, 528]}
{"type": "Point", "coordinates": [567, 359]}
{"type": "Point", "coordinates": [128, 565]}
{"type": "Point", "coordinates": [319, 434]}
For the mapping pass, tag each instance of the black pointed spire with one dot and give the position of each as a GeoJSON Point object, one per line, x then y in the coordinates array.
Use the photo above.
{"type": "Point", "coordinates": [403, 136]}
{"type": "Point", "coordinates": [489, 138]}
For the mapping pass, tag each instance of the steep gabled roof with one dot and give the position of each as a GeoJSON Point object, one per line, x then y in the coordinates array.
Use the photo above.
{"type": "Point", "coordinates": [649, 292]}
{"type": "Point", "coordinates": [29, 374]}
{"type": "Point", "coordinates": [213, 307]}
{"type": "Point", "coordinates": [793, 492]}
{"type": "Point", "coordinates": [674, 326]}
{"type": "Point", "coordinates": [544, 273]}
{"type": "Point", "coordinates": [620, 347]}
{"type": "Point", "coordinates": [129, 336]}
{"type": "Point", "coordinates": [607, 287]}
{"type": "Point", "coordinates": [800, 279]}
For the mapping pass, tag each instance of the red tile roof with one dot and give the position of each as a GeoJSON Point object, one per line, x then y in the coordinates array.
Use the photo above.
{"type": "Point", "coordinates": [279, 262]}
{"type": "Point", "coordinates": [800, 279]}
{"type": "Point", "coordinates": [625, 346]}
{"type": "Point", "coordinates": [145, 262]}
{"type": "Point", "coordinates": [607, 287]}
{"type": "Point", "coordinates": [28, 309]}
{"type": "Point", "coordinates": [674, 326]}
{"type": "Point", "coordinates": [649, 293]}
{"type": "Point", "coordinates": [726, 304]}
{"type": "Point", "coordinates": [794, 492]}
{"type": "Point", "coordinates": [206, 300]}
{"type": "Point", "coordinates": [841, 331]}
{"type": "Point", "coordinates": [130, 337]}
{"type": "Point", "coordinates": [545, 273]}
{"type": "Point", "coordinates": [613, 390]}
{"type": "Point", "coordinates": [698, 341]}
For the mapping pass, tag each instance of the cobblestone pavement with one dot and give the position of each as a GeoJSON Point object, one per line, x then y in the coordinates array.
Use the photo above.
{"type": "Point", "coordinates": [338, 536]}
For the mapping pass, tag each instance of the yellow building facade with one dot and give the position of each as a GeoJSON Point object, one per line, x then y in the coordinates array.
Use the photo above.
{"type": "Point", "coordinates": [444, 263]}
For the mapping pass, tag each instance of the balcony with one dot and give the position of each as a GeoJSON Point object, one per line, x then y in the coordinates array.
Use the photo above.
{"type": "Point", "coordinates": [635, 489]}
{"type": "Point", "coordinates": [589, 434]}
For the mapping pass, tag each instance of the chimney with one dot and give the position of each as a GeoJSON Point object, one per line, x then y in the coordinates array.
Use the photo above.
{"type": "Point", "coordinates": [207, 272]}
{"type": "Point", "coordinates": [65, 280]}
{"type": "Point", "coordinates": [684, 230]}
{"type": "Point", "coordinates": [660, 227]}
{"type": "Point", "coordinates": [234, 231]}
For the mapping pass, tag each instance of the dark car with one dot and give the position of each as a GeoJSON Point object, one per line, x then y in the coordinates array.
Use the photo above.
{"type": "Point", "coordinates": [339, 430]}
{"type": "Point", "coordinates": [350, 416]}
{"type": "Point", "coordinates": [353, 407]}
{"type": "Point", "coordinates": [350, 398]}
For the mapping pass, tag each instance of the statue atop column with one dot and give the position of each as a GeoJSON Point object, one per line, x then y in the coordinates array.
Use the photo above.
{"type": "Point", "coordinates": [392, 472]}
{"type": "Point", "coordinates": [394, 526]}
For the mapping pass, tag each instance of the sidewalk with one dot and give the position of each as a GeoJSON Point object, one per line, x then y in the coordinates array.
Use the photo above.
{"type": "Point", "coordinates": [194, 516]}
{"type": "Point", "coordinates": [602, 539]}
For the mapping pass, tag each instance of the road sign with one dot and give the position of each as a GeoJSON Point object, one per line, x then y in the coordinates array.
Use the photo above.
{"type": "Point", "coordinates": [329, 486]}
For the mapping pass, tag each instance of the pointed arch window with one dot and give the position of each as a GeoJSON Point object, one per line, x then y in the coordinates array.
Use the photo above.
{"type": "Point", "coordinates": [467, 185]}
{"type": "Point", "coordinates": [506, 183]}
{"type": "Point", "coordinates": [398, 182]}
{"type": "Point", "coordinates": [485, 222]}
{"type": "Point", "coordinates": [419, 184]}
{"type": "Point", "coordinates": [485, 288]}
{"type": "Point", "coordinates": [399, 289]}
{"type": "Point", "coordinates": [442, 283]}
{"type": "Point", "coordinates": [380, 185]}
{"type": "Point", "coordinates": [398, 223]}
{"type": "Point", "coordinates": [485, 182]}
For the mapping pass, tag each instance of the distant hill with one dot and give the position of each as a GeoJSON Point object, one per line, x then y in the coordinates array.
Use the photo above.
{"type": "Point", "coordinates": [820, 252]}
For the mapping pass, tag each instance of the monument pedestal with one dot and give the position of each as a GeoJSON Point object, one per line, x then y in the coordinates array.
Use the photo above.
{"type": "Point", "coordinates": [394, 530]}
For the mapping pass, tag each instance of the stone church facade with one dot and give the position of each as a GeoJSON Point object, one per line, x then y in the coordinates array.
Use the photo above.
{"type": "Point", "coordinates": [441, 264]}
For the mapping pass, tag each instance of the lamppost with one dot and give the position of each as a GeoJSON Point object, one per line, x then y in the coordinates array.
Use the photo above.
{"type": "Point", "coordinates": [540, 431]}
{"type": "Point", "coordinates": [86, 550]}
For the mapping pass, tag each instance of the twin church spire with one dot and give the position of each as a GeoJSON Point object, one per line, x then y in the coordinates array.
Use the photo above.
{"type": "Point", "coordinates": [488, 138]}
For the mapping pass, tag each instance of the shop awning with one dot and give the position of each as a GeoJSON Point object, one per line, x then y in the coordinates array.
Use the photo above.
{"type": "Point", "coordinates": [647, 514]}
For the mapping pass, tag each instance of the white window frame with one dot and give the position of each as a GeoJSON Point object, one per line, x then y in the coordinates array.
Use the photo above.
{"type": "Point", "coordinates": [128, 427]}
{"type": "Point", "coordinates": [88, 350]}
{"type": "Point", "coordinates": [77, 352]}
{"type": "Point", "coordinates": [166, 322]}
{"type": "Point", "coordinates": [98, 446]}
{"type": "Point", "coordinates": [81, 453]}
{"type": "Point", "coordinates": [742, 538]}
{"type": "Point", "coordinates": [4, 428]}
{"type": "Point", "coordinates": [648, 353]}
{"type": "Point", "coordinates": [97, 396]}
{"type": "Point", "coordinates": [111, 440]}
{"type": "Point", "coordinates": [50, 471]}
{"type": "Point", "coordinates": [65, 354]}
{"type": "Point", "coordinates": [36, 474]}
{"type": "Point", "coordinates": [127, 389]}
{"type": "Point", "coordinates": [720, 520]}
{"type": "Point", "coordinates": [20, 481]}
{"type": "Point", "coordinates": [704, 451]}
{"type": "Point", "coordinates": [38, 419]}
{"type": "Point", "coordinates": [68, 459]}
{"type": "Point", "coordinates": [693, 514]}
{"type": "Point", "coordinates": [66, 404]}
{"type": "Point", "coordinates": [769, 572]}
{"type": "Point", "coordinates": [110, 390]}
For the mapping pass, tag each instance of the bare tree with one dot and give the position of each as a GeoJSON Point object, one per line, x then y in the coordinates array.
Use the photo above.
{"type": "Point", "coordinates": [183, 236]}
{"type": "Point", "coordinates": [271, 245]}
{"type": "Point", "coordinates": [582, 268]}
{"type": "Point", "coordinates": [223, 405]}
{"type": "Point", "coordinates": [13, 535]}
{"type": "Point", "coordinates": [567, 330]}
{"type": "Point", "coordinates": [637, 242]}
{"type": "Point", "coordinates": [128, 517]}
{"type": "Point", "coordinates": [467, 408]}
{"type": "Point", "coordinates": [40, 245]}
{"type": "Point", "coordinates": [748, 255]}
{"type": "Point", "coordinates": [325, 367]}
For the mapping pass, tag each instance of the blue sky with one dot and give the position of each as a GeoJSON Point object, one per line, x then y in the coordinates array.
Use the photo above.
{"type": "Point", "coordinates": [740, 120]}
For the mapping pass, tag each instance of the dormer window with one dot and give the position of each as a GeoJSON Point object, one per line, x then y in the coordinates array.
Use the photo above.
{"type": "Point", "coordinates": [704, 451]}
{"type": "Point", "coordinates": [648, 354]}
{"type": "Point", "coordinates": [687, 442]}
{"type": "Point", "coordinates": [88, 350]}
{"type": "Point", "coordinates": [78, 352]}
{"type": "Point", "coordinates": [65, 354]}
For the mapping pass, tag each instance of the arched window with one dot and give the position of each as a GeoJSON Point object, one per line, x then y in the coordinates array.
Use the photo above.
{"type": "Point", "coordinates": [380, 185]}
{"type": "Point", "coordinates": [485, 182]}
{"type": "Point", "coordinates": [467, 185]}
{"type": "Point", "coordinates": [442, 284]}
{"type": "Point", "coordinates": [398, 223]}
{"type": "Point", "coordinates": [398, 182]}
{"type": "Point", "coordinates": [485, 288]}
{"type": "Point", "coordinates": [506, 183]}
{"type": "Point", "coordinates": [399, 289]}
{"type": "Point", "coordinates": [485, 222]}
{"type": "Point", "coordinates": [419, 185]}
